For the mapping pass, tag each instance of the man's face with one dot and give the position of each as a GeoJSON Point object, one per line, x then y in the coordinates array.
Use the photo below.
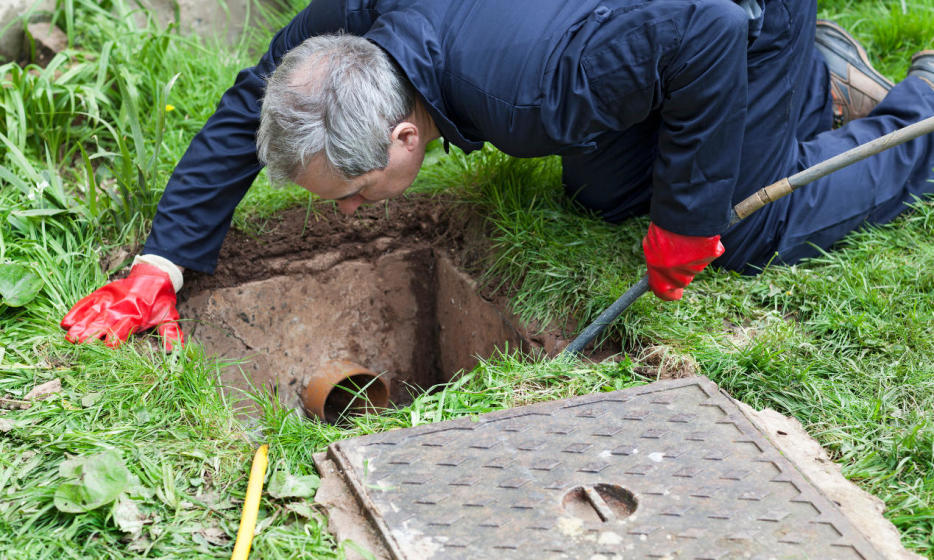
{"type": "Point", "coordinates": [406, 154]}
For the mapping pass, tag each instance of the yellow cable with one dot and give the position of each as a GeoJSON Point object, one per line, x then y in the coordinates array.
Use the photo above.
{"type": "Point", "coordinates": [254, 491]}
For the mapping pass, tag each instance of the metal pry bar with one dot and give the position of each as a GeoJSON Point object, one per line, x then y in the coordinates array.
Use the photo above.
{"type": "Point", "coordinates": [757, 200]}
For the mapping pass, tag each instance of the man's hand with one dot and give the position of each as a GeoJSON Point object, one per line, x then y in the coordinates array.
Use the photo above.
{"type": "Point", "coordinates": [145, 299]}
{"type": "Point", "coordinates": [674, 259]}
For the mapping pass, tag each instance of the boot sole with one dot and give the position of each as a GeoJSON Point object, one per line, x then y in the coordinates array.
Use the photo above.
{"type": "Point", "coordinates": [926, 73]}
{"type": "Point", "coordinates": [921, 54]}
{"type": "Point", "coordinates": [863, 56]}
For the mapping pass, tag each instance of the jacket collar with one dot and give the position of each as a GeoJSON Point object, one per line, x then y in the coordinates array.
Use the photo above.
{"type": "Point", "coordinates": [410, 39]}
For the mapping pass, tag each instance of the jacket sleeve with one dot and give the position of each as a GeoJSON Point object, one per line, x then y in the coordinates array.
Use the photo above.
{"type": "Point", "coordinates": [220, 164]}
{"type": "Point", "coordinates": [702, 122]}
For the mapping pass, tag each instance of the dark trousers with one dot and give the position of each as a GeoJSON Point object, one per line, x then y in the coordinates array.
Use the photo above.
{"type": "Point", "coordinates": [787, 130]}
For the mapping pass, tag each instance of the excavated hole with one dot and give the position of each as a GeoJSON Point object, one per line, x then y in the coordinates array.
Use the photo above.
{"type": "Point", "coordinates": [408, 315]}
{"type": "Point", "coordinates": [383, 289]}
{"type": "Point", "coordinates": [600, 503]}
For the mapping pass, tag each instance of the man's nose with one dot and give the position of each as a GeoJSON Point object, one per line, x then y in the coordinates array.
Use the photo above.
{"type": "Point", "coordinates": [349, 205]}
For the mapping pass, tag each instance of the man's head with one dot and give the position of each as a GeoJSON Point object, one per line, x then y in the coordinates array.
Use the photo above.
{"type": "Point", "coordinates": [340, 119]}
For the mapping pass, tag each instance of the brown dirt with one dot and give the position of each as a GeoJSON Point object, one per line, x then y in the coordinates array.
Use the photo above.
{"type": "Point", "coordinates": [329, 237]}
{"type": "Point", "coordinates": [658, 362]}
{"type": "Point", "coordinates": [294, 242]}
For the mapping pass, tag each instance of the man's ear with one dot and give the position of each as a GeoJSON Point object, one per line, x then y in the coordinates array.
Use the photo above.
{"type": "Point", "coordinates": [407, 133]}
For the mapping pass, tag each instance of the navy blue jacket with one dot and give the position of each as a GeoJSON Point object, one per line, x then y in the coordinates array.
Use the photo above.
{"type": "Point", "coordinates": [533, 77]}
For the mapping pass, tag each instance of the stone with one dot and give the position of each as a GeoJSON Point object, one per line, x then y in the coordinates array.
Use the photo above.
{"type": "Point", "coordinates": [209, 18]}
{"type": "Point", "coordinates": [12, 13]}
{"type": "Point", "coordinates": [48, 40]}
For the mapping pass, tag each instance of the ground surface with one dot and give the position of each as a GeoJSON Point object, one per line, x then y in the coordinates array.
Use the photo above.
{"type": "Point", "coordinates": [844, 343]}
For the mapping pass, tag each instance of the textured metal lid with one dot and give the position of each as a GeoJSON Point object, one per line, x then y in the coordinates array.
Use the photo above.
{"type": "Point", "coordinates": [668, 470]}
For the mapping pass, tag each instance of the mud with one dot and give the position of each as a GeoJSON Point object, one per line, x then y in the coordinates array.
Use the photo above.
{"type": "Point", "coordinates": [385, 289]}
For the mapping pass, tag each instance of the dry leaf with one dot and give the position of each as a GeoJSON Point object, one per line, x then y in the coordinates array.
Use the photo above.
{"type": "Point", "coordinates": [45, 390]}
{"type": "Point", "coordinates": [265, 522]}
{"type": "Point", "coordinates": [14, 404]}
{"type": "Point", "coordinates": [128, 517]}
{"type": "Point", "coordinates": [214, 536]}
{"type": "Point", "coordinates": [142, 544]}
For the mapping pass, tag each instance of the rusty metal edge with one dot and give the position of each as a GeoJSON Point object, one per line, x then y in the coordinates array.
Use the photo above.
{"type": "Point", "coordinates": [815, 487]}
{"type": "Point", "coordinates": [335, 454]}
{"type": "Point", "coordinates": [470, 423]}
{"type": "Point", "coordinates": [367, 537]}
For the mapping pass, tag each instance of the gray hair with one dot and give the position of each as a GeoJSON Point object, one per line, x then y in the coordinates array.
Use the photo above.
{"type": "Point", "coordinates": [338, 95]}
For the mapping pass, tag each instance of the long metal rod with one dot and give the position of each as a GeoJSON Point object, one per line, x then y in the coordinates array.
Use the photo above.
{"type": "Point", "coordinates": [754, 202]}
{"type": "Point", "coordinates": [609, 315]}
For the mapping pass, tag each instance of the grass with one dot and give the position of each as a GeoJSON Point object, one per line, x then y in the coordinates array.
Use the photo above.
{"type": "Point", "coordinates": [843, 342]}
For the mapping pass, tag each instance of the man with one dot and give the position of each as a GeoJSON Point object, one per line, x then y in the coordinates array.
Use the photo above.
{"type": "Point", "coordinates": [675, 108]}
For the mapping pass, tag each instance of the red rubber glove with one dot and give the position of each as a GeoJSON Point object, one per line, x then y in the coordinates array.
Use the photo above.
{"type": "Point", "coordinates": [143, 300]}
{"type": "Point", "coordinates": [674, 259]}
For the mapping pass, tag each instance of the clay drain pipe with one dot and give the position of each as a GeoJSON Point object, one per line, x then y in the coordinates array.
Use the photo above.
{"type": "Point", "coordinates": [341, 388]}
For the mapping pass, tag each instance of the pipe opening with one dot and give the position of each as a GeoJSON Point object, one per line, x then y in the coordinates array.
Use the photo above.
{"type": "Point", "coordinates": [358, 394]}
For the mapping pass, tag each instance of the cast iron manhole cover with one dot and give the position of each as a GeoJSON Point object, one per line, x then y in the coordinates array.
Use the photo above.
{"type": "Point", "coordinates": [668, 470]}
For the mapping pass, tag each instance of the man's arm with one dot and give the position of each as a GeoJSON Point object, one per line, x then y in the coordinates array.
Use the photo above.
{"type": "Point", "coordinates": [687, 61]}
{"type": "Point", "coordinates": [220, 164]}
{"type": "Point", "coordinates": [699, 145]}
{"type": "Point", "coordinates": [195, 211]}
{"type": "Point", "coordinates": [702, 124]}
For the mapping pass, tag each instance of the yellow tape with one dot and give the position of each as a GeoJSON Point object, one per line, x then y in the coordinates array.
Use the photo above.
{"type": "Point", "coordinates": [254, 491]}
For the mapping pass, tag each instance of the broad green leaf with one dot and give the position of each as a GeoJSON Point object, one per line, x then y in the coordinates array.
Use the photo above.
{"type": "Point", "coordinates": [302, 509]}
{"type": "Point", "coordinates": [284, 485]}
{"type": "Point", "coordinates": [14, 153]}
{"type": "Point", "coordinates": [72, 497]}
{"type": "Point", "coordinates": [106, 476]}
{"type": "Point", "coordinates": [71, 468]}
{"type": "Point", "coordinates": [18, 284]}
{"type": "Point", "coordinates": [12, 179]}
{"type": "Point", "coordinates": [24, 226]}
{"type": "Point", "coordinates": [95, 481]}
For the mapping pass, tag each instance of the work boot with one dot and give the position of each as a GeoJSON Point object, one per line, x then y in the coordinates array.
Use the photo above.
{"type": "Point", "coordinates": [922, 66]}
{"type": "Point", "coordinates": [855, 86]}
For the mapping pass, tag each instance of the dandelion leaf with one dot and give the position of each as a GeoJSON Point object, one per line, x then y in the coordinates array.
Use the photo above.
{"type": "Point", "coordinates": [92, 482]}
{"type": "Point", "coordinates": [18, 284]}
{"type": "Point", "coordinates": [285, 485]}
